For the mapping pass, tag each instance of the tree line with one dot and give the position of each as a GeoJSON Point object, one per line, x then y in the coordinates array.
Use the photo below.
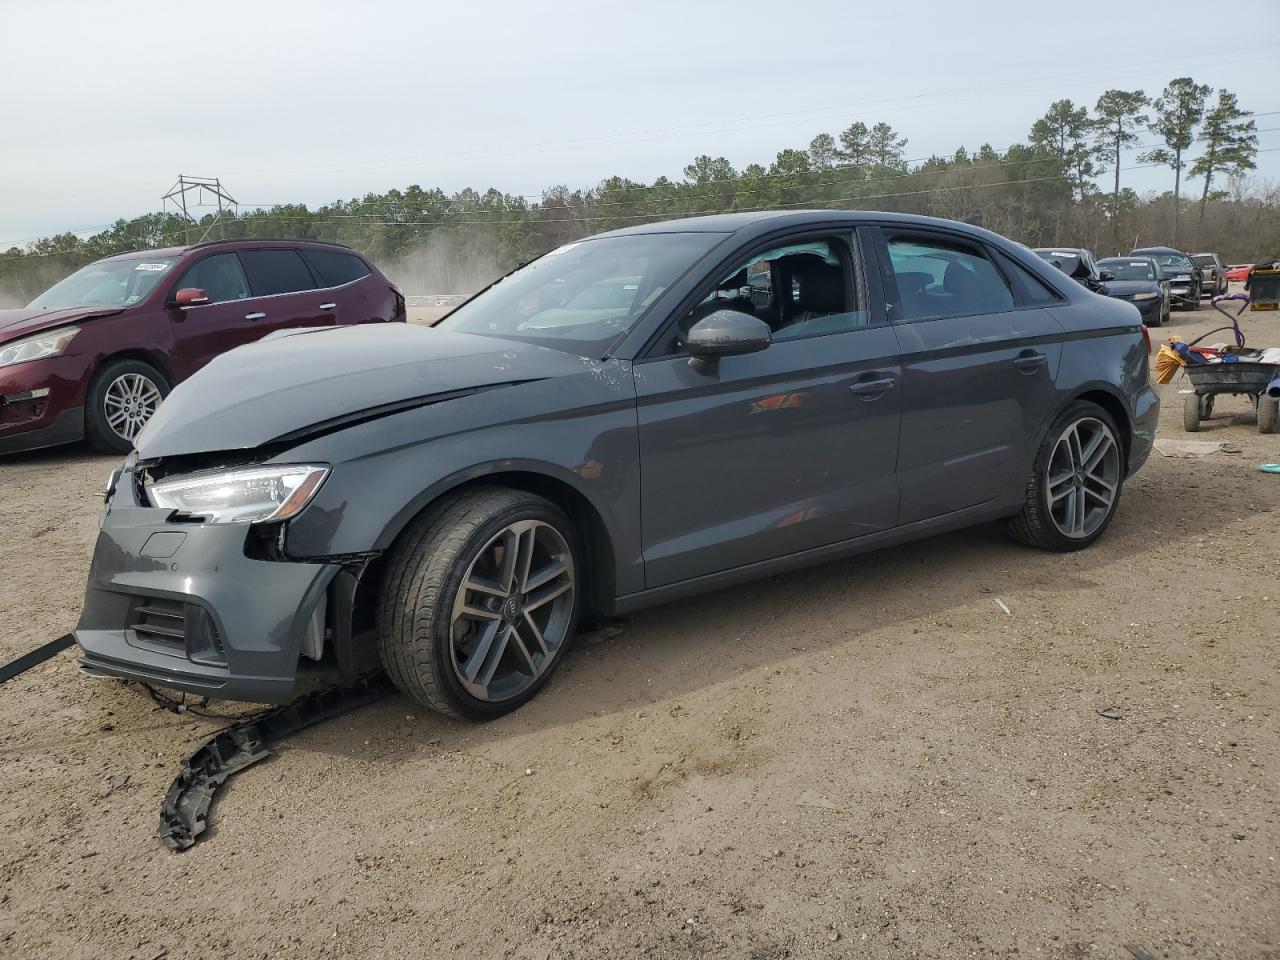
{"type": "Point", "coordinates": [1064, 186]}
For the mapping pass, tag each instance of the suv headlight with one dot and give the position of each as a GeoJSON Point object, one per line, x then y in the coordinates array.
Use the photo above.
{"type": "Point", "coordinates": [47, 344]}
{"type": "Point", "coordinates": [250, 495]}
{"type": "Point", "coordinates": [1145, 296]}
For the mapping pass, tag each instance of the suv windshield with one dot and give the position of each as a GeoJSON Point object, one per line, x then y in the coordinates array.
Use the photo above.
{"type": "Point", "coordinates": [1177, 261]}
{"type": "Point", "coordinates": [583, 296]}
{"type": "Point", "coordinates": [1128, 269]}
{"type": "Point", "coordinates": [107, 283]}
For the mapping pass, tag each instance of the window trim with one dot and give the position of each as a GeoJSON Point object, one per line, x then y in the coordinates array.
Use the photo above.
{"type": "Point", "coordinates": [853, 263]}
{"type": "Point", "coordinates": [889, 279]}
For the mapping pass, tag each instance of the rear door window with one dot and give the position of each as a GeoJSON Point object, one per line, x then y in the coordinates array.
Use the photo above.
{"type": "Point", "coordinates": [276, 271]}
{"type": "Point", "coordinates": [220, 276]}
{"type": "Point", "coordinates": [942, 277]}
{"type": "Point", "coordinates": [334, 268]}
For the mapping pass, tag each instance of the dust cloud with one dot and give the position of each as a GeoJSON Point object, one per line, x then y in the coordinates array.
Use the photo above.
{"type": "Point", "coordinates": [440, 266]}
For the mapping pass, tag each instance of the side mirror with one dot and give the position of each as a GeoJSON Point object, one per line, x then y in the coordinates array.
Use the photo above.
{"type": "Point", "coordinates": [1106, 275]}
{"type": "Point", "coordinates": [190, 297]}
{"type": "Point", "coordinates": [725, 333]}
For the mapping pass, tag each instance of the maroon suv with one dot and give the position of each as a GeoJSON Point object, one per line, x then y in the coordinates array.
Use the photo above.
{"type": "Point", "coordinates": [96, 354]}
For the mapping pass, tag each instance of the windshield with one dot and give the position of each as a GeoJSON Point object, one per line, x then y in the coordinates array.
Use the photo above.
{"type": "Point", "coordinates": [583, 296]}
{"type": "Point", "coordinates": [1177, 261]}
{"type": "Point", "coordinates": [107, 283]}
{"type": "Point", "coordinates": [1128, 269]}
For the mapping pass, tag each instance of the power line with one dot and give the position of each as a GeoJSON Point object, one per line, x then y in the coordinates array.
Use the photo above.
{"type": "Point", "coordinates": [752, 122]}
{"type": "Point", "coordinates": [796, 203]}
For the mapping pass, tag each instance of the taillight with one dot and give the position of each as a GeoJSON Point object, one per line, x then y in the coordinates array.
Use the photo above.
{"type": "Point", "coordinates": [1146, 337]}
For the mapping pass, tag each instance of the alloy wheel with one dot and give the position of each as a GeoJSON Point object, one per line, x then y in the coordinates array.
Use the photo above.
{"type": "Point", "coordinates": [129, 402]}
{"type": "Point", "coordinates": [1083, 478]}
{"type": "Point", "coordinates": [512, 611]}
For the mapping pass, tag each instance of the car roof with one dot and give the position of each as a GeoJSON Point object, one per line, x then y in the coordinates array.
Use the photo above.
{"type": "Point", "coordinates": [750, 223]}
{"type": "Point", "coordinates": [1137, 250]}
{"type": "Point", "coordinates": [241, 244]}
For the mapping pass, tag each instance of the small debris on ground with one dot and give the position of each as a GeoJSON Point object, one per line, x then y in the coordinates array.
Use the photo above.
{"type": "Point", "coordinates": [1111, 713]}
{"type": "Point", "coordinates": [1003, 606]}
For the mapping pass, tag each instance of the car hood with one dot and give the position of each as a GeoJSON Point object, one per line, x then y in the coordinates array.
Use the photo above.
{"type": "Point", "coordinates": [26, 320]}
{"type": "Point", "coordinates": [290, 386]}
{"type": "Point", "coordinates": [1127, 288]}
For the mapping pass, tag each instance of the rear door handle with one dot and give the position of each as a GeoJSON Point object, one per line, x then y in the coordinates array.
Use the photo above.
{"type": "Point", "coordinates": [1029, 362]}
{"type": "Point", "coordinates": [327, 306]}
{"type": "Point", "coordinates": [872, 388]}
{"type": "Point", "coordinates": [255, 316]}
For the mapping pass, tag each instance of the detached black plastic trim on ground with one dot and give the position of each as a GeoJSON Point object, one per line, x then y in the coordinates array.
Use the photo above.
{"type": "Point", "coordinates": [184, 815]}
{"type": "Point", "coordinates": [37, 656]}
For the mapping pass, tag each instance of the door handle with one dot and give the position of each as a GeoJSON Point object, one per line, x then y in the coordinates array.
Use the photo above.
{"type": "Point", "coordinates": [327, 306]}
{"type": "Point", "coordinates": [1030, 362]}
{"type": "Point", "coordinates": [254, 316]}
{"type": "Point", "coordinates": [872, 388]}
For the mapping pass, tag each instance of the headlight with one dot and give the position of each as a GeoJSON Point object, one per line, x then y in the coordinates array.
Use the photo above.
{"type": "Point", "coordinates": [1145, 296]}
{"type": "Point", "coordinates": [47, 344]}
{"type": "Point", "coordinates": [251, 495]}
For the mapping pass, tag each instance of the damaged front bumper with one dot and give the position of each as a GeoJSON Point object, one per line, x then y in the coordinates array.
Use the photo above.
{"type": "Point", "coordinates": [182, 605]}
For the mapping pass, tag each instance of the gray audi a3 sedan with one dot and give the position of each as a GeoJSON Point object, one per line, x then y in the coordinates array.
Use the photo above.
{"type": "Point", "coordinates": [642, 415]}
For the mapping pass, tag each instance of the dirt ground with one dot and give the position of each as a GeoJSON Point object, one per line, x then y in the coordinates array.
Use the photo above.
{"type": "Point", "coordinates": [864, 759]}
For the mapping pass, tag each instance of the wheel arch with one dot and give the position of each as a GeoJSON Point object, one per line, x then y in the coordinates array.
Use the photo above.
{"type": "Point", "coordinates": [597, 542]}
{"type": "Point", "coordinates": [153, 357]}
{"type": "Point", "coordinates": [1111, 401]}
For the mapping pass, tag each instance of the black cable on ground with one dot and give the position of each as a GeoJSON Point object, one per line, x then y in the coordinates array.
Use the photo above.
{"type": "Point", "coordinates": [36, 657]}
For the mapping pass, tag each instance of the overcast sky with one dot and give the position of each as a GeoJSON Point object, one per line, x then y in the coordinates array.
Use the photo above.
{"type": "Point", "coordinates": [106, 102]}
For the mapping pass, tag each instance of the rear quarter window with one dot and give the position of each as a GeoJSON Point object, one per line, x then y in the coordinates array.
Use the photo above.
{"type": "Point", "coordinates": [334, 268]}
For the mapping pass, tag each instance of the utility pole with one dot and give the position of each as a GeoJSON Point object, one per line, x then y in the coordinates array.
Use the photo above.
{"type": "Point", "coordinates": [191, 191]}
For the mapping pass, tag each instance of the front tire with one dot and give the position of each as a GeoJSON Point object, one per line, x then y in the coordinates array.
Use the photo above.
{"type": "Point", "coordinates": [122, 397]}
{"type": "Point", "coordinates": [480, 602]}
{"type": "Point", "coordinates": [1075, 482]}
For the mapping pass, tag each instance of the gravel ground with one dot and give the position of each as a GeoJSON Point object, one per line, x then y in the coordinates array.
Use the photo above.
{"type": "Point", "coordinates": [865, 759]}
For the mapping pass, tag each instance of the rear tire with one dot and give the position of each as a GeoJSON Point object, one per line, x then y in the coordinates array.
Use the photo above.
{"type": "Point", "coordinates": [1075, 485]}
{"type": "Point", "coordinates": [478, 652]}
{"type": "Point", "coordinates": [122, 397]}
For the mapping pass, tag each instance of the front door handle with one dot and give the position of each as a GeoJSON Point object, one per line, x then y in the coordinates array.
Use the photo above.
{"type": "Point", "coordinates": [872, 388]}
{"type": "Point", "coordinates": [327, 306]}
{"type": "Point", "coordinates": [1030, 362]}
{"type": "Point", "coordinates": [255, 316]}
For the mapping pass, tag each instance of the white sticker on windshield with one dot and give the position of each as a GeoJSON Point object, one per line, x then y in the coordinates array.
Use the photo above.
{"type": "Point", "coordinates": [1138, 264]}
{"type": "Point", "coordinates": [565, 249]}
{"type": "Point", "coordinates": [154, 267]}
{"type": "Point", "coordinates": [131, 299]}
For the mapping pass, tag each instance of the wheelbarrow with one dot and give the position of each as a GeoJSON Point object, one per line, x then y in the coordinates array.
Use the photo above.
{"type": "Point", "coordinates": [1240, 377]}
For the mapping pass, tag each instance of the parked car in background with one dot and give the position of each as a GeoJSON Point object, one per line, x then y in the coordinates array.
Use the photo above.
{"type": "Point", "coordinates": [1139, 281]}
{"type": "Point", "coordinates": [1213, 274]}
{"type": "Point", "coordinates": [94, 355]}
{"type": "Point", "coordinates": [453, 499]}
{"type": "Point", "coordinates": [1237, 272]}
{"type": "Point", "coordinates": [1184, 276]}
{"type": "Point", "coordinates": [1076, 263]}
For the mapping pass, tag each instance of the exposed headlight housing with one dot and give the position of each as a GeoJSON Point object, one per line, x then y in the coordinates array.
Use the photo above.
{"type": "Point", "coordinates": [249, 495]}
{"type": "Point", "coordinates": [50, 343]}
{"type": "Point", "coordinates": [1145, 296]}
{"type": "Point", "coordinates": [1182, 278]}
